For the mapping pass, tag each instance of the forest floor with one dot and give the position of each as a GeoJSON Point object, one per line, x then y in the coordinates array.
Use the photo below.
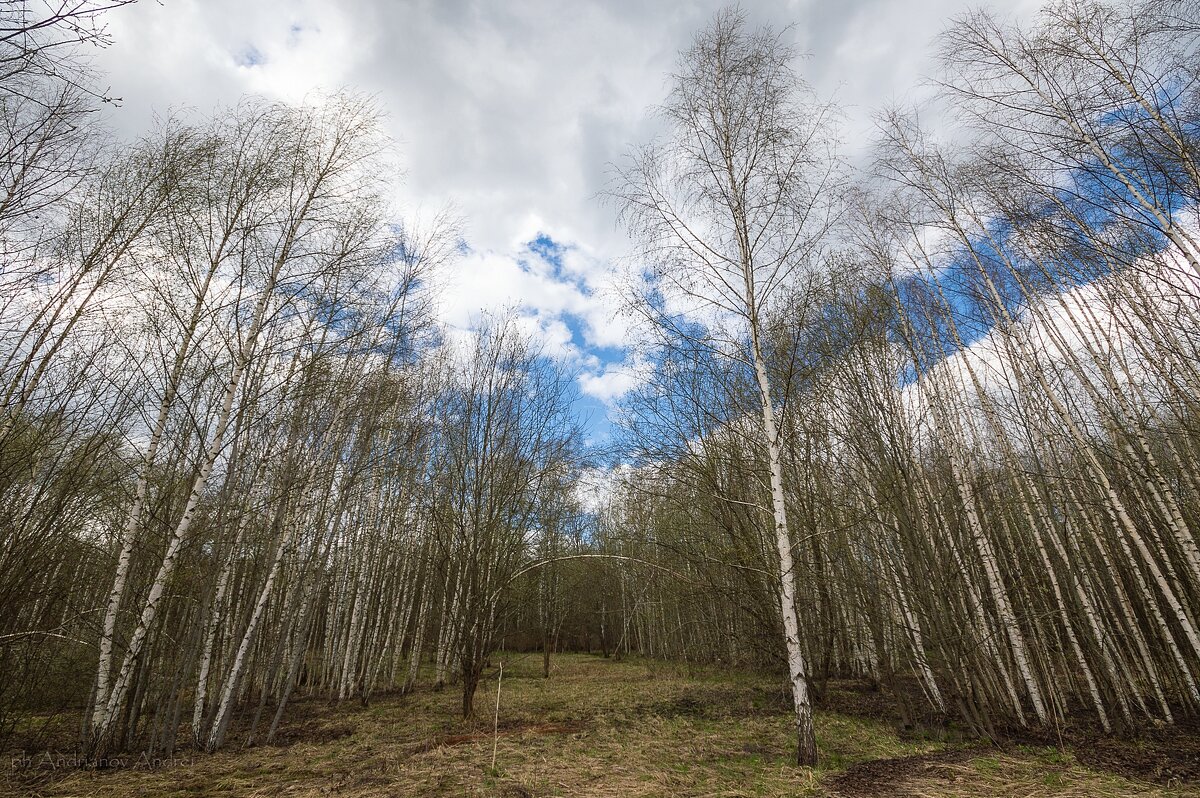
{"type": "Point", "coordinates": [600, 727]}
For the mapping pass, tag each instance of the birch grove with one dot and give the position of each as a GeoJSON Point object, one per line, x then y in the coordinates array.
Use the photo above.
{"type": "Point", "coordinates": [930, 420]}
{"type": "Point", "coordinates": [986, 378]}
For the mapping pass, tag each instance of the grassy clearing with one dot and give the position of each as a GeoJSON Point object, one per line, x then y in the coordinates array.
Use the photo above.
{"type": "Point", "coordinates": [596, 727]}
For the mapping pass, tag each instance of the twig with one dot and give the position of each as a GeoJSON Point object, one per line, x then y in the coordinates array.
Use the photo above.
{"type": "Point", "coordinates": [496, 719]}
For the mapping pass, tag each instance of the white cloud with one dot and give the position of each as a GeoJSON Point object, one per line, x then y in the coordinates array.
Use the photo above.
{"type": "Point", "coordinates": [544, 294]}
{"type": "Point", "coordinates": [512, 110]}
{"type": "Point", "coordinates": [1070, 340]}
{"type": "Point", "coordinates": [615, 380]}
{"type": "Point", "coordinates": [509, 110]}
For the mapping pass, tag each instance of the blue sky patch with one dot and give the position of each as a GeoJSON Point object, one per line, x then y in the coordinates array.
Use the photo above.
{"type": "Point", "coordinates": [251, 56]}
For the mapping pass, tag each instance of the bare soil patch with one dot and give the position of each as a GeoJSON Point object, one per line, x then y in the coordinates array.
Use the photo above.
{"type": "Point", "coordinates": [885, 777]}
{"type": "Point", "coordinates": [1167, 755]}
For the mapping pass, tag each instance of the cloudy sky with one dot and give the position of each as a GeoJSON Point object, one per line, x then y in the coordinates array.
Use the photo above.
{"type": "Point", "coordinates": [511, 110]}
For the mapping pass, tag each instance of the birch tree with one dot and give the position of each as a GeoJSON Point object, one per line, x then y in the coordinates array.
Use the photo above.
{"type": "Point", "coordinates": [731, 210]}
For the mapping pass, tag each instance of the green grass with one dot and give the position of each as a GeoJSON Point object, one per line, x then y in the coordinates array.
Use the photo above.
{"type": "Point", "coordinates": [596, 727]}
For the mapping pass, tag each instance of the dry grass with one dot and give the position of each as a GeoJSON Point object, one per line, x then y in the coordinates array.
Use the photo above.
{"type": "Point", "coordinates": [596, 727]}
{"type": "Point", "coordinates": [1035, 774]}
